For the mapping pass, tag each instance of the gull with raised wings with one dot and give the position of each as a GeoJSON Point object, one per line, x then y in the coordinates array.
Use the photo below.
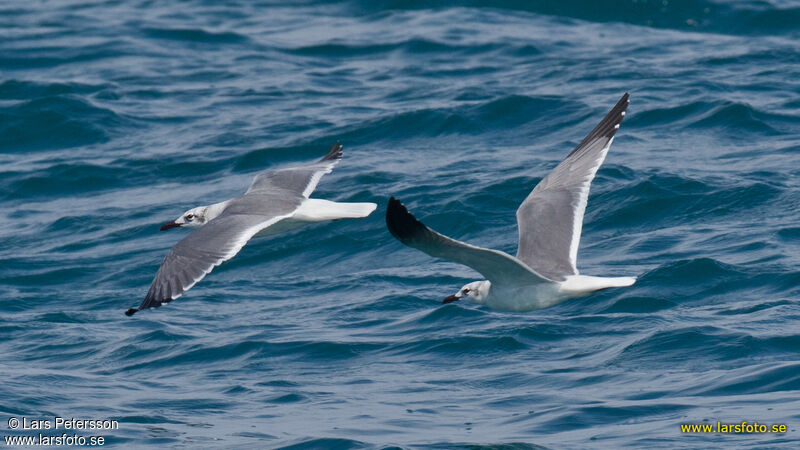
{"type": "Point", "coordinates": [550, 219]}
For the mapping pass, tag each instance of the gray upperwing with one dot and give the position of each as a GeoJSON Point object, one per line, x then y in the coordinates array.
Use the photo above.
{"type": "Point", "coordinates": [302, 180]}
{"type": "Point", "coordinates": [275, 202]}
{"type": "Point", "coordinates": [495, 265]}
{"type": "Point", "coordinates": [551, 217]}
{"type": "Point", "coordinates": [194, 256]}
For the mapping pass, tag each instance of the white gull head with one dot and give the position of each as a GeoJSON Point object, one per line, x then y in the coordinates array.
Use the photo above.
{"type": "Point", "coordinates": [476, 292]}
{"type": "Point", "coordinates": [196, 217]}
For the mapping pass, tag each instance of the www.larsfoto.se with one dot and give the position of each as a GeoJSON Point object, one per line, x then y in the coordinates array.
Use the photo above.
{"type": "Point", "coordinates": [63, 439]}
{"type": "Point", "coordinates": [734, 428]}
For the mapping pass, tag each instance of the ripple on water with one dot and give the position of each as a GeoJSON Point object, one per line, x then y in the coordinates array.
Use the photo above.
{"type": "Point", "coordinates": [69, 121]}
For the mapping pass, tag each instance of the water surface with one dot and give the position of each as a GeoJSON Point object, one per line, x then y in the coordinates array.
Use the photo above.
{"type": "Point", "coordinates": [117, 116]}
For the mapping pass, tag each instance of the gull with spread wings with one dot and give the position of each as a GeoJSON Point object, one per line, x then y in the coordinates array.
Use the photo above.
{"type": "Point", "coordinates": [277, 201]}
{"type": "Point", "coordinates": [550, 219]}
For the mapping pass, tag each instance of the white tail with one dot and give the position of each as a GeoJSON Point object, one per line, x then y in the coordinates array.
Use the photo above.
{"type": "Point", "coordinates": [317, 210]}
{"type": "Point", "coordinates": [620, 281]}
{"type": "Point", "coordinates": [585, 284]}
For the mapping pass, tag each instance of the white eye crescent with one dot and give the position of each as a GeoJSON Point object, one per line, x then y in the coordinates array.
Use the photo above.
{"type": "Point", "coordinates": [189, 216]}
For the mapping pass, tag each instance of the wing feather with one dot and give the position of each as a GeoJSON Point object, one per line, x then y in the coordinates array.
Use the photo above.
{"type": "Point", "coordinates": [496, 266]}
{"type": "Point", "coordinates": [550, 219]}
{"type": "Point", "coordinates": [301, 180]}
{"type": "Point", "coordinates": [196, 255]}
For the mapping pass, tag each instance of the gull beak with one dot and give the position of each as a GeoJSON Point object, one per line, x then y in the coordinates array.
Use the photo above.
{"type": "Point", "coordinates": [451, 299]}
{"type": "Point", "coordinates": [169, 225]}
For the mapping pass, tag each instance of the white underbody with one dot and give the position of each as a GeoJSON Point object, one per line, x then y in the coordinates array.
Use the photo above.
{"type": "Point", "coordinates": [541, 295]}
{"type": "Point", "coordinates": [318, 210]}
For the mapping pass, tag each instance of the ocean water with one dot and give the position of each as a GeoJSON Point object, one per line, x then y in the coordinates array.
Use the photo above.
{"type": "Point", "coordinates": [116, 116]}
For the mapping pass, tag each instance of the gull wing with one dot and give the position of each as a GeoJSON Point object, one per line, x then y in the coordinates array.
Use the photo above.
{"type": "Point", "coordinates": [551, 217]}
{"type": "Point", "coordinates": [301, 180]}
{"type": "Point", "coordinates": [194, 256]}
{"type": "Point", "coordinates": [498, 267]}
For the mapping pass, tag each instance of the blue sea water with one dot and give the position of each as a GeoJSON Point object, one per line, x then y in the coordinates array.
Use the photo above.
{"type": "Point", "coordinates": [116, 116]}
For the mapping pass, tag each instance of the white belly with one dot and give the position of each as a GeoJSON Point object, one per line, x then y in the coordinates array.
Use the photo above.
{"type": "Point", "coordinates": [524, 298]}
{"type": "Point", "coordinates": [538, 296]}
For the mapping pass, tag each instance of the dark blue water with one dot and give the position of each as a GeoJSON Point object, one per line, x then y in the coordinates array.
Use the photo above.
{"type": "Point", "coordinates": [117, 116]}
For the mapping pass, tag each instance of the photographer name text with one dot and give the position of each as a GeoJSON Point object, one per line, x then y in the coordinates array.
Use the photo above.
{"type": "Point", "coordinates": [62, 423]}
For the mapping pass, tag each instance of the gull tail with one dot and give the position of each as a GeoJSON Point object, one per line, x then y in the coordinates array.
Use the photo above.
{"type": "Point", "coordinates": [586, 284]}
{"type": "Point", "coordinates": [621, 281]}
{"type": "Point", "coordinates": [317, 210]}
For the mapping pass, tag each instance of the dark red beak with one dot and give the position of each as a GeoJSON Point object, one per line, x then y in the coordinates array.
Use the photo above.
{"type": "Point", "coordinates": [169, 225]}
{"type": "Point", "coordinates": [450, 299]}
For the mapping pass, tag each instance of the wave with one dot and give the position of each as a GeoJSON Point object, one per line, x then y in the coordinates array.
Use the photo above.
{"type": "Point", "coordinates": [49, 56]}
{"type": "Point", "coordinates": [758, 379]}
{"type": "Point", "coordinates": [55, 122]}
{"type": "Point", "coordinates": [195, 35]}
{"type": "Point", "coordinates": [748, 18]}
{"type": "Point", "coordinates": [410, 46]}
{"type": "Point", "coordinates": [245, 350]}
{"type": "Point", "coordinates": [27, 89]}
{"type": "Point", "coordinates": [662, 200]}
{"type": "Point", "coordinates": [729, 118]}
{"type": "Point", "coordinates": [326, 443]}
{"type": "Point", "coordinates": [494, 116]}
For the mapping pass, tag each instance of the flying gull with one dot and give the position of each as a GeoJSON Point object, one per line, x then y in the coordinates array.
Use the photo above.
{"type": "Point", "coordinates": [549, 220]}
{"type": "Point", "coordinates": [276, 201]}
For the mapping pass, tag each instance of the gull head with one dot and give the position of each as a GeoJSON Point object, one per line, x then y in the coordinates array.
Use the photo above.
{"type": "Point", "coordinates": [194, 217]}
{"type": "Point", "coordinates": [476, 292]}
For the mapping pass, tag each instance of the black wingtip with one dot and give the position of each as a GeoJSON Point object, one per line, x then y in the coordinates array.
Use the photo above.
{"type": "Point", "coordinates": [334, 153]}
{"type": "Point", "coordinates": [607, 127]}
{"type": "Point", "coordinates": [131, 312]}
{"type": "Point", "coordinates": [401, 223]}
{"type": "Point", "coordinates": [623, 102]}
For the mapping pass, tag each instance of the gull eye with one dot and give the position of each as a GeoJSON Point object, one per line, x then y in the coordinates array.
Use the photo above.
{"type": "Point", "coordinates": [466, 291]}
{"type": "Point", "coordinates": [189, 216]}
